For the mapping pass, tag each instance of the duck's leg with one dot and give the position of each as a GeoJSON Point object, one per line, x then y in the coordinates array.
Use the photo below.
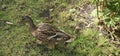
{"type": "Point", "coordinates": [45, 50]}
{"type": "Point", "coordinates": [51, 45]}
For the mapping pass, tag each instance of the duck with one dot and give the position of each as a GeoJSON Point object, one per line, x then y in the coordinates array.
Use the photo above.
{"type": "Point", "coordinates": [46, 33]}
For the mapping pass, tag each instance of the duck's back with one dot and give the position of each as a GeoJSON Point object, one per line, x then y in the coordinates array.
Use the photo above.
{"type": "Point", "coordinates": [48, 27]}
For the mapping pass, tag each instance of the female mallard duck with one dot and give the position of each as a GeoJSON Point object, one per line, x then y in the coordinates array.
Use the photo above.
{"type": "Point", "coordinates": [46, 33]}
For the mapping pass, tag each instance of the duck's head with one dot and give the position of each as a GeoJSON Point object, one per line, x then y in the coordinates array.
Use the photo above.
{"type": "Point", "coordinates": [25, 19]}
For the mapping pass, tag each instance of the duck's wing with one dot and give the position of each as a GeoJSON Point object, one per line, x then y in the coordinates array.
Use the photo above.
{"type": "Point", "coordinates": [50, 32]}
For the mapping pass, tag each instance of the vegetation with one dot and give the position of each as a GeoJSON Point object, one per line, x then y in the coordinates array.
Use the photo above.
{"type": "Point", "coordinates": [67, 15]}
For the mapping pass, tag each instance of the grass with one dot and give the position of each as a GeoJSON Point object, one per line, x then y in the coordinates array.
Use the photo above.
{"type": "Point", "coordinates": [15, 38]}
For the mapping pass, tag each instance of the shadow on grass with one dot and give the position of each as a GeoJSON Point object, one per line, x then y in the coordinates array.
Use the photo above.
{"type": "Point", "coordinates": [41, 50]}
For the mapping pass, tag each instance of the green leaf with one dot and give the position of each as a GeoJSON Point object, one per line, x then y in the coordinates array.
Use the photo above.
{"type": "Point", "coordinates": [93, 1]}
{"type": "Point", "coordinates": [112, 22]}
{"type": "Point", "coordinates": [94, 13]}
{"type": "Point", "coordinates": [107, 20]}
{"type": "Point", "coordinates": [72, 10]}
{"type": "Point", "coordinates": [102, 40]}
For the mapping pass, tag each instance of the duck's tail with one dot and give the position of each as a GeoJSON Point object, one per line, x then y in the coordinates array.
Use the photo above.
{"type": "Point", "coordinates": [71, 39]}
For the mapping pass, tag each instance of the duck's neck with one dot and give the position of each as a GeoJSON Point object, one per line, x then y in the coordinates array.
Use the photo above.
{"type": "Point", "coordinates": [32, 26]}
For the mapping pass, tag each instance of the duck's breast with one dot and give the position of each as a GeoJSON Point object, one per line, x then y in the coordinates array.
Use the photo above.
{"type": "Point", "coordinates": [34, 33]}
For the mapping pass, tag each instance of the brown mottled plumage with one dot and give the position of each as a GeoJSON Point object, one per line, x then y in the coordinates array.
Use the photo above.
{"type": "Point", "coordinates": [47, 34]}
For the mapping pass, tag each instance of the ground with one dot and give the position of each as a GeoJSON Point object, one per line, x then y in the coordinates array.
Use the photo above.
{"type": "Point", "coordinates": [66, 15]}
